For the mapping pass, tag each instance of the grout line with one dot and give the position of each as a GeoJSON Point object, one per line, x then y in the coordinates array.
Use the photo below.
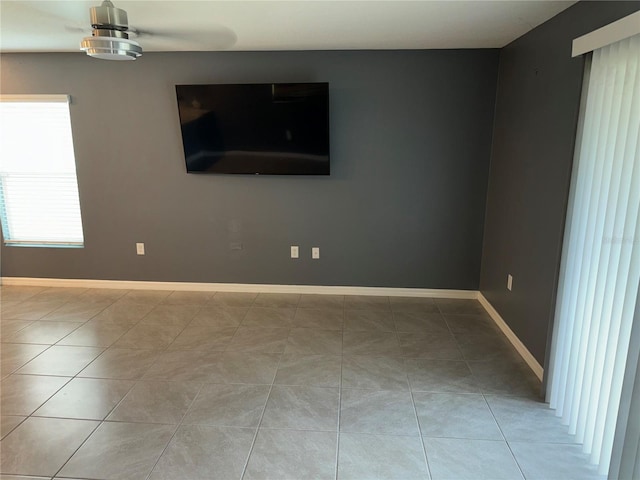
{"type": "Point", "coordinates": [264, 409]}
{"type": "Point", "coordinates": [415, 412]}
{"type": "Point", "coordinates": [504, 436]}
{"type": "Point", "coordinates": [180, 424]}
{"type": "Point", "coordinates": [79, 447]}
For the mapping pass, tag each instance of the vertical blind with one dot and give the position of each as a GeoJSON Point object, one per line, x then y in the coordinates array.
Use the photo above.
{"type": "Point", "coordinates": [39, 202]}
{"type": "Point", "coordinates": [601, 254]}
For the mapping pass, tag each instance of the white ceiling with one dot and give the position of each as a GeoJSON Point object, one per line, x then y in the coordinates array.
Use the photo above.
{"type": "Point", "coordinates": [56, 26]}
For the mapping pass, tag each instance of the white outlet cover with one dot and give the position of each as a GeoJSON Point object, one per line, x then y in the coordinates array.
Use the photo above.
{"type": "Point", "coordinates": [295, 251]}
{"type": "Point", "coordinates": [315, 252]}
{"type": "Point", "coordinates": [509, 282]}
{"type": "Point", "coordinates": [140, 248]}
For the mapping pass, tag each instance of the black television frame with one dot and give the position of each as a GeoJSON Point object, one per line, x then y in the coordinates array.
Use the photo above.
{"type": "Point", "coordinates": [255, 162]}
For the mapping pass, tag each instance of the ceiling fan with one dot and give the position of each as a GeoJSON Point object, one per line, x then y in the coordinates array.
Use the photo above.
{"type": "Point", "coordinates": [110, 38]}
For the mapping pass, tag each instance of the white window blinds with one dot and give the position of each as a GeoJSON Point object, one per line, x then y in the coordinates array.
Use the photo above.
{"type": "Point", "coordinates": [601, 253]}
{"type": "Point", "coordinates": [39, 204]}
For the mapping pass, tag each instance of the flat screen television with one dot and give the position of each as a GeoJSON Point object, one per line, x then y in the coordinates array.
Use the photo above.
{"type": "Point", "coordinates": [265, 129]}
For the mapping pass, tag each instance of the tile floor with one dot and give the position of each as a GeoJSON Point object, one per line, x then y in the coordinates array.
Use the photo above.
{"type": "Point", "coordinates": [116, 384]}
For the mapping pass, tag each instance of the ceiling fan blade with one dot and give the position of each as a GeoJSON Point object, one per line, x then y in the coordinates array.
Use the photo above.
{"type": "Point", "coordinates": [217, 37]}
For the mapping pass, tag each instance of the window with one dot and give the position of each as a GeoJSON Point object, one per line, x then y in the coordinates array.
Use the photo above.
{"type": "Point", "coordinates": [601, 259]}
{"type": "Point", "coordinates": [39, 204]}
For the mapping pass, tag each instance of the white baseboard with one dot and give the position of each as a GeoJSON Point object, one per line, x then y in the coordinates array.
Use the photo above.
{"type": "Point", "coordinates": [515, 341]}
{"type": "Point", "coordinates": [308, 289]}
{"type": "Point", "coordinates": [240, 287]}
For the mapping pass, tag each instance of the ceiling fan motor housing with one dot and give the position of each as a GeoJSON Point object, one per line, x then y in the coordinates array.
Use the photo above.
{"type": "Point", "coordinates": [110, 40]}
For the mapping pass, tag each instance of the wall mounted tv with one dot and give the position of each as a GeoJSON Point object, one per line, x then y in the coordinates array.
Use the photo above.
{"type": "Point", "coordinates": [266, 129]}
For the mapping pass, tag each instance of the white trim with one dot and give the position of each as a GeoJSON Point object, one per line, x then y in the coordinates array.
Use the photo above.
{"type": "Point", "coordinates": [35, 98]}
{"type": "Point", "coordinates": [614, 32]}
{"type": "Point", "coordinates": [240, 287]}
{"type": "Point", "coordinates": [515, 341]}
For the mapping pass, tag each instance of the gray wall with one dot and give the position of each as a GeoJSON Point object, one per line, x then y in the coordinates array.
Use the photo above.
{"type": "Point", "coordinates": [537, 108]}
{"type": "Point", "coordinates": [404, 205]}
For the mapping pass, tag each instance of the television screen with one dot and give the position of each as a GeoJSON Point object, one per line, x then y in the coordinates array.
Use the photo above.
{"type": "Point", "coordinates": [270, 129]}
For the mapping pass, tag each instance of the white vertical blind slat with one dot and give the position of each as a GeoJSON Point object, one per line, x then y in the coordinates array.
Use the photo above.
{"type": "Point", "coordinates": [601, 257]}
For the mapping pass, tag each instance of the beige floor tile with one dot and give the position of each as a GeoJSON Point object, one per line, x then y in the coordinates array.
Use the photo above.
{"type": "Point", "coordinates": [309, 370]}
{"type": "Point", "coordinates": [14, 293]}
{"type": "Point", "coordinates": [463, 459]}
{"type": "Point", "coordinates": [9, 327]}
{"type": "Point", "coordinates": [314, 341]}
{"type": "Point", "coordinates": [269, 317]}
{"type": "Point", "coordinates": [321, 301]}
{"type": "Point", "coordinates": [413, 304]}
{"type": "Point", "coordinates": [156, 402]}
{"type": "Point", "coordinates": [40, 446]}
{"type": "Point", "coordinates": [149, 335]}
{"type": "Point", "coordinates": [459, 306]}
{"type": "Point", "coordinates": [278, 300]}
{"type": "Point", "coordinates": [94, 335]}
{"type": "Point", "coordinates": [428, 345]}
{"type": "Point", "coordinates": [23, 394]}
{"type": "Point", "coordinates": [59, 294]}
{"type": "Point", "coordinates": [177, 315]}
{"type": "Point", "coordinates": [184, 366]}
{"type": "Point", "coordinates": [545, 461]}
{"type": "Point", "coordinates": [59, 360]}
{"type": "Point", "coordinates": [243, 367]}
{"type": "Point", "coordinates": [103, 294]}
{"type": "Point", "coordinates": [44, 333]}
{"type": "Point", "coordinates": [505, 378]}
{"type": "Point", "coordinates": [322, 318]}
{"type": "Point", "coordinates": [440, 376]}
{"type": "Point", "coordinates": [471, 324]}
{"type": "Point", "coordinates": [119, 451]}
{"type": "Point", "coordinates": [413, 322]}
{"type": "Point", "coordinates": [203, 338]}
{"type": "Point", "coordinates": [229, 405]}
{"type": "Point", "coordinates": [76, 311]}
{"type": "Point", "coordinates": [188, 456]}
{"type": "Point", "coordinates": [287, 454]}
{"type": "Point", "coordinates": [365, 302]}
{"type": "Point", "coordinates": [187, 298]}
{"type": "Point", "coordinates": [528, 420]}
{"type": "Point", "coordinates": [123, 313]}
{"type": "Point", "coordinates": [371, 343]}
{"type": "Point", "coordinates": [255, 339]}
{"type": "Point", "coordinates": [358, 320]}
{"type": "Point", "coordinates": [377, 412]}
{"type": "Point", "coordinates": [233, 299]}
{"type": "Point", "coordinates": [8, 423]}
{"type": "Point", "coordinates": [219, 316]}
{"type": "Point", "coordinates": [85, 398]}
{"type": "Point", "coordinates": [121, 363]}
{"type": "Point", "coordinates": [492, 347]}
{"type": "Point", "coordinates": [375, 373]}
{"type": "Point", "coordinates": [378, 457]}
{"type": "Point", "coordinates": [15, 355]}
{"type": "Point", "coordinates": [455, 415]}
{"type": "Point", "coordinates": [150, 297]}
{"type": "Point", "coordinates": [30, 310]}
{"type": "Point", "coordinates": [302, 408]}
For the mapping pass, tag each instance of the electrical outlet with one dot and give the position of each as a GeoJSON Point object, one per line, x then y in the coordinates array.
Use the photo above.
{"type": "Point", "coordinates": [315, 253]}
{"type": "Point", "coordinates": [295, 251]}
{"type": "Point", "coordinates": [140, 248]}
{"type": "Point", "coordinates": [509, 282]}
